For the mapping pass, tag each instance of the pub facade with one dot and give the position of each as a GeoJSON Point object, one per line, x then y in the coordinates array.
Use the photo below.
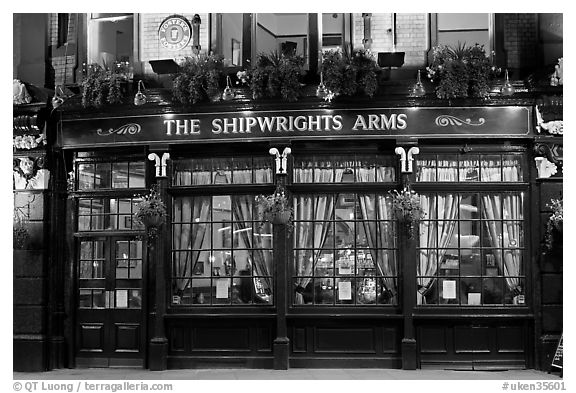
{"type": "Point", "coordinates": [345, 281]}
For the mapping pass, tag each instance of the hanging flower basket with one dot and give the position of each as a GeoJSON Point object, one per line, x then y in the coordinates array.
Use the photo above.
{"type": "Point", "coordinates": [151, 212]}
{"type": "Point", "coordinates": [408, 209]}
{"type": "Point", "coordinates": [281, 217]}
{"type": "Point", "coordinates": [152, 221]}
{"type": "Point", "coordinates": [275, 208]}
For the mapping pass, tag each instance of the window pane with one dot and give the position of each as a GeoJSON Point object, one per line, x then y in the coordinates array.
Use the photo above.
{"type": "Point", "coordinates": [137, 175]}
{"type": "Point", "coordinates": [85, 176]}
{"type": "Point", "coordinates": [120, 175]}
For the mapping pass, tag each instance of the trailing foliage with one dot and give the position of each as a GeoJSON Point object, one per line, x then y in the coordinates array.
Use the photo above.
{"type": "Point", "coordinates": [101, 87]}
{"type": "Point", "coordinates": [276, 75]}
{"type": "Point", "coordinates": [350, 73]}
{"type": "Point", "coordinates": [461, 71]}
{"type": "Point", "coordinates": [198, 79]}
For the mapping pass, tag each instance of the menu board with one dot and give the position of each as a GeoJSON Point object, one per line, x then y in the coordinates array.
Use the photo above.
{"type": "Point", "coordinates": [558, 356]}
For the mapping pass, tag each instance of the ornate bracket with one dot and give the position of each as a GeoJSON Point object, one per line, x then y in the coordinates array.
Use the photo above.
{"type": "Point", "coordinates": [160, 163]}
{"type": "Point", "coordinates": [547, 160]}
{"type": "Point", "coordinates": [281, 159]}
{"type": "Point", "coordinates": [406, 159]}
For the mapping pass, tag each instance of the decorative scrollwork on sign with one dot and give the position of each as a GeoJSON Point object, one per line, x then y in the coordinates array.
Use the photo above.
{"type": "Point", "coordinates": [130, 129]}
{"type": "Point", "coordinates": [448, 120]}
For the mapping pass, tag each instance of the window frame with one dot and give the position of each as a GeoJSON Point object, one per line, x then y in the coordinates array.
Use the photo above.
{"type": "Point", "coordinates": [483, 188]}
{"type": "Point", "coordinates": [211, 190]}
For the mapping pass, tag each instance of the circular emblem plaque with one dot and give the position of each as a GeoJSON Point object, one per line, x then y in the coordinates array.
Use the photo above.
{"type": "Point", "coordinates": [174, 32]}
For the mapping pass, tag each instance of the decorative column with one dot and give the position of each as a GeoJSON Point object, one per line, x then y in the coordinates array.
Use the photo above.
{"type": "Point", "coordinates": [408, 259]}
{"type": "Point", "coordinates": [281, 345]}
{"type": "Point", "coordinates": [156, 247]}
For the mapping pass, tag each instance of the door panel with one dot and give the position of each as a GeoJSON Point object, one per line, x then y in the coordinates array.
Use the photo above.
{"type": "Point", "coordinates": [110, 329]}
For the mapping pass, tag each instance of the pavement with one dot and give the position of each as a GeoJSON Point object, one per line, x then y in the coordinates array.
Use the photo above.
{"type": "Point", "coordinates": [123, 374]}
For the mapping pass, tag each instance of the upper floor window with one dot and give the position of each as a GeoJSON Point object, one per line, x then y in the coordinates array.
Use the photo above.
{"type": "Point", "coordinates": [454, 29]}
{"type": "Point", "coordinates": [110, 39]}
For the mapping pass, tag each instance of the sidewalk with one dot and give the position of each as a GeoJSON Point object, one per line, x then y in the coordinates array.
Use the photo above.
{"type": "Point", "coordinates": [291, 374]}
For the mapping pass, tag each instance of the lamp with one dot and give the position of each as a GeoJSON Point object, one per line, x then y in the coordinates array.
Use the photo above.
{"type": "Point", "coordinates": [140, 98]}
{"type": "Point", "coordinates": [57, 100]}
{"type": "Point", "coordinates": [507, 89]}
{"type": "Point", "coordinates": [321, 90]}
{"type": "Point", "coordinates": [228, 93]}
{"type": "Point", "coordinates": [418, 90]}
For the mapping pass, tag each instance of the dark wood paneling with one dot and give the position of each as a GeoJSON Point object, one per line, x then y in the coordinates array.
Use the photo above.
{"type": "Point", "coordinates": [28, 291]}
{"type": "Point", "coordinates": [91, 337]}
{"type": "Point", "coordinates": [433, 339]}
{"type": "Point", "coordinates": [127, 337]}
{"type": "Point", "coordinates": [471, 339]}
{"type": "Point", "coordinates": [348, 340]}
{"type": "Point", "coordinates": [221, 339]}
{"type": "Point", "coordinates": [551, 289]}
{"type": "Point", "coordinates": [551, 319]}
{"type": "Point", "coordinates": [176, 339]}
{"type": "Point", "coordinates": [510, 339]}
{"type": "Point", "coordinates": [475, 345]}
{"type": "Point", "coordinates": [389, 340]}
{"type": "Point", "coordinates": [263, 339]}
{"type": "Point", "coordinates": [299, 340]}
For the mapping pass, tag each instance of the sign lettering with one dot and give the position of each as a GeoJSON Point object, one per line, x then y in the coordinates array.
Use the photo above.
{"type": "Point", "coordinates": [511, 122]}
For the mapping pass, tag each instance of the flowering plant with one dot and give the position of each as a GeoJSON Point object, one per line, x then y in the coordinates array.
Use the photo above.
{"type": "Point", "coordinates": [243, 77]}
{"type": "Point", "coordinates": [151, 211]}
{"type": "Point", "coordinates": [276, 75]}
{"type": "Point", "coordinates": [28, 141]}
{"type": "Point", "coordinates": [274, 208]}
{"type": "Point", "coordinates": [198, 79]}
{"type": "Point", "coordinates": [407, 207]}
{"type": "Point", "coordinates": [102, 86]}
{"type": "Point", "coordinates": [555, 222]}
{"type": "Point", "coordinates": [461, 71]}
{"type": "Point", "coordinates": [349, 73]}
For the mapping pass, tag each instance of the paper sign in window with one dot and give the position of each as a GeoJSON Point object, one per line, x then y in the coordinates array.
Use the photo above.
{"type": "Point", "coordinates": [122, 298]}
{"type": "Point", "coordinates": [449, 289]}
{"type": "Point", "coordinates": [344, 290]}
{"type": "Point", "coordinates": [222, 289]}
{"type": "Point", "coordinates": [474, 298]}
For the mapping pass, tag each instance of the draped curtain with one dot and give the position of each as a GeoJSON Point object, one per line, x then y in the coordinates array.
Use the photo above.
{"type": "Point", "coordinates": [379, 232]}
{"type": "Point", "coordinates": [318, 209]}
{"type": "Point", "coordinates": [194, 214]}
{"type": "Point", "coordinates": [242, 213]}
{"type": "Point", "coordinates": [500, 213]}
{"type": "Point", "coordinates": [435, 235]}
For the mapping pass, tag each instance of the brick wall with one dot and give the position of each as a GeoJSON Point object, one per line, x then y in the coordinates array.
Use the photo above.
{"type": "Point", "coordinates": [58, 62]}
{"type": "Point", "coordinates": [521, 39]}
{"type": "Point", "coordinates": [150, 47]}
{"type": "Point", "coordinates": [411, 35]}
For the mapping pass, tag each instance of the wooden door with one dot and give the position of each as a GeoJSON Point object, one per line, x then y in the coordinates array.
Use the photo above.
{"type": "Point", "coordinates": [110, 324]}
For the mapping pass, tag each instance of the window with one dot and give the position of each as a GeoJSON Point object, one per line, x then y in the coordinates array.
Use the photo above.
{"type": "Point", "coordinates": [344, 169]}
{"type": "Point", "coordinates": [345, 249]}
{"type": "Point", "coordinates": [109, 175]}
{"type": "Point", "coordinates": [221, 254]}
{"type": "Point", "coordinates": [110, 39]}
{"type": "Point", "coordinates": [464, 28]}
{"type": "Point", "coordinates": [63, 21]}
{"type": "Point", "coordinates": [235, 170]}
{"type": "Point", "coordinates": [471, 245]}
